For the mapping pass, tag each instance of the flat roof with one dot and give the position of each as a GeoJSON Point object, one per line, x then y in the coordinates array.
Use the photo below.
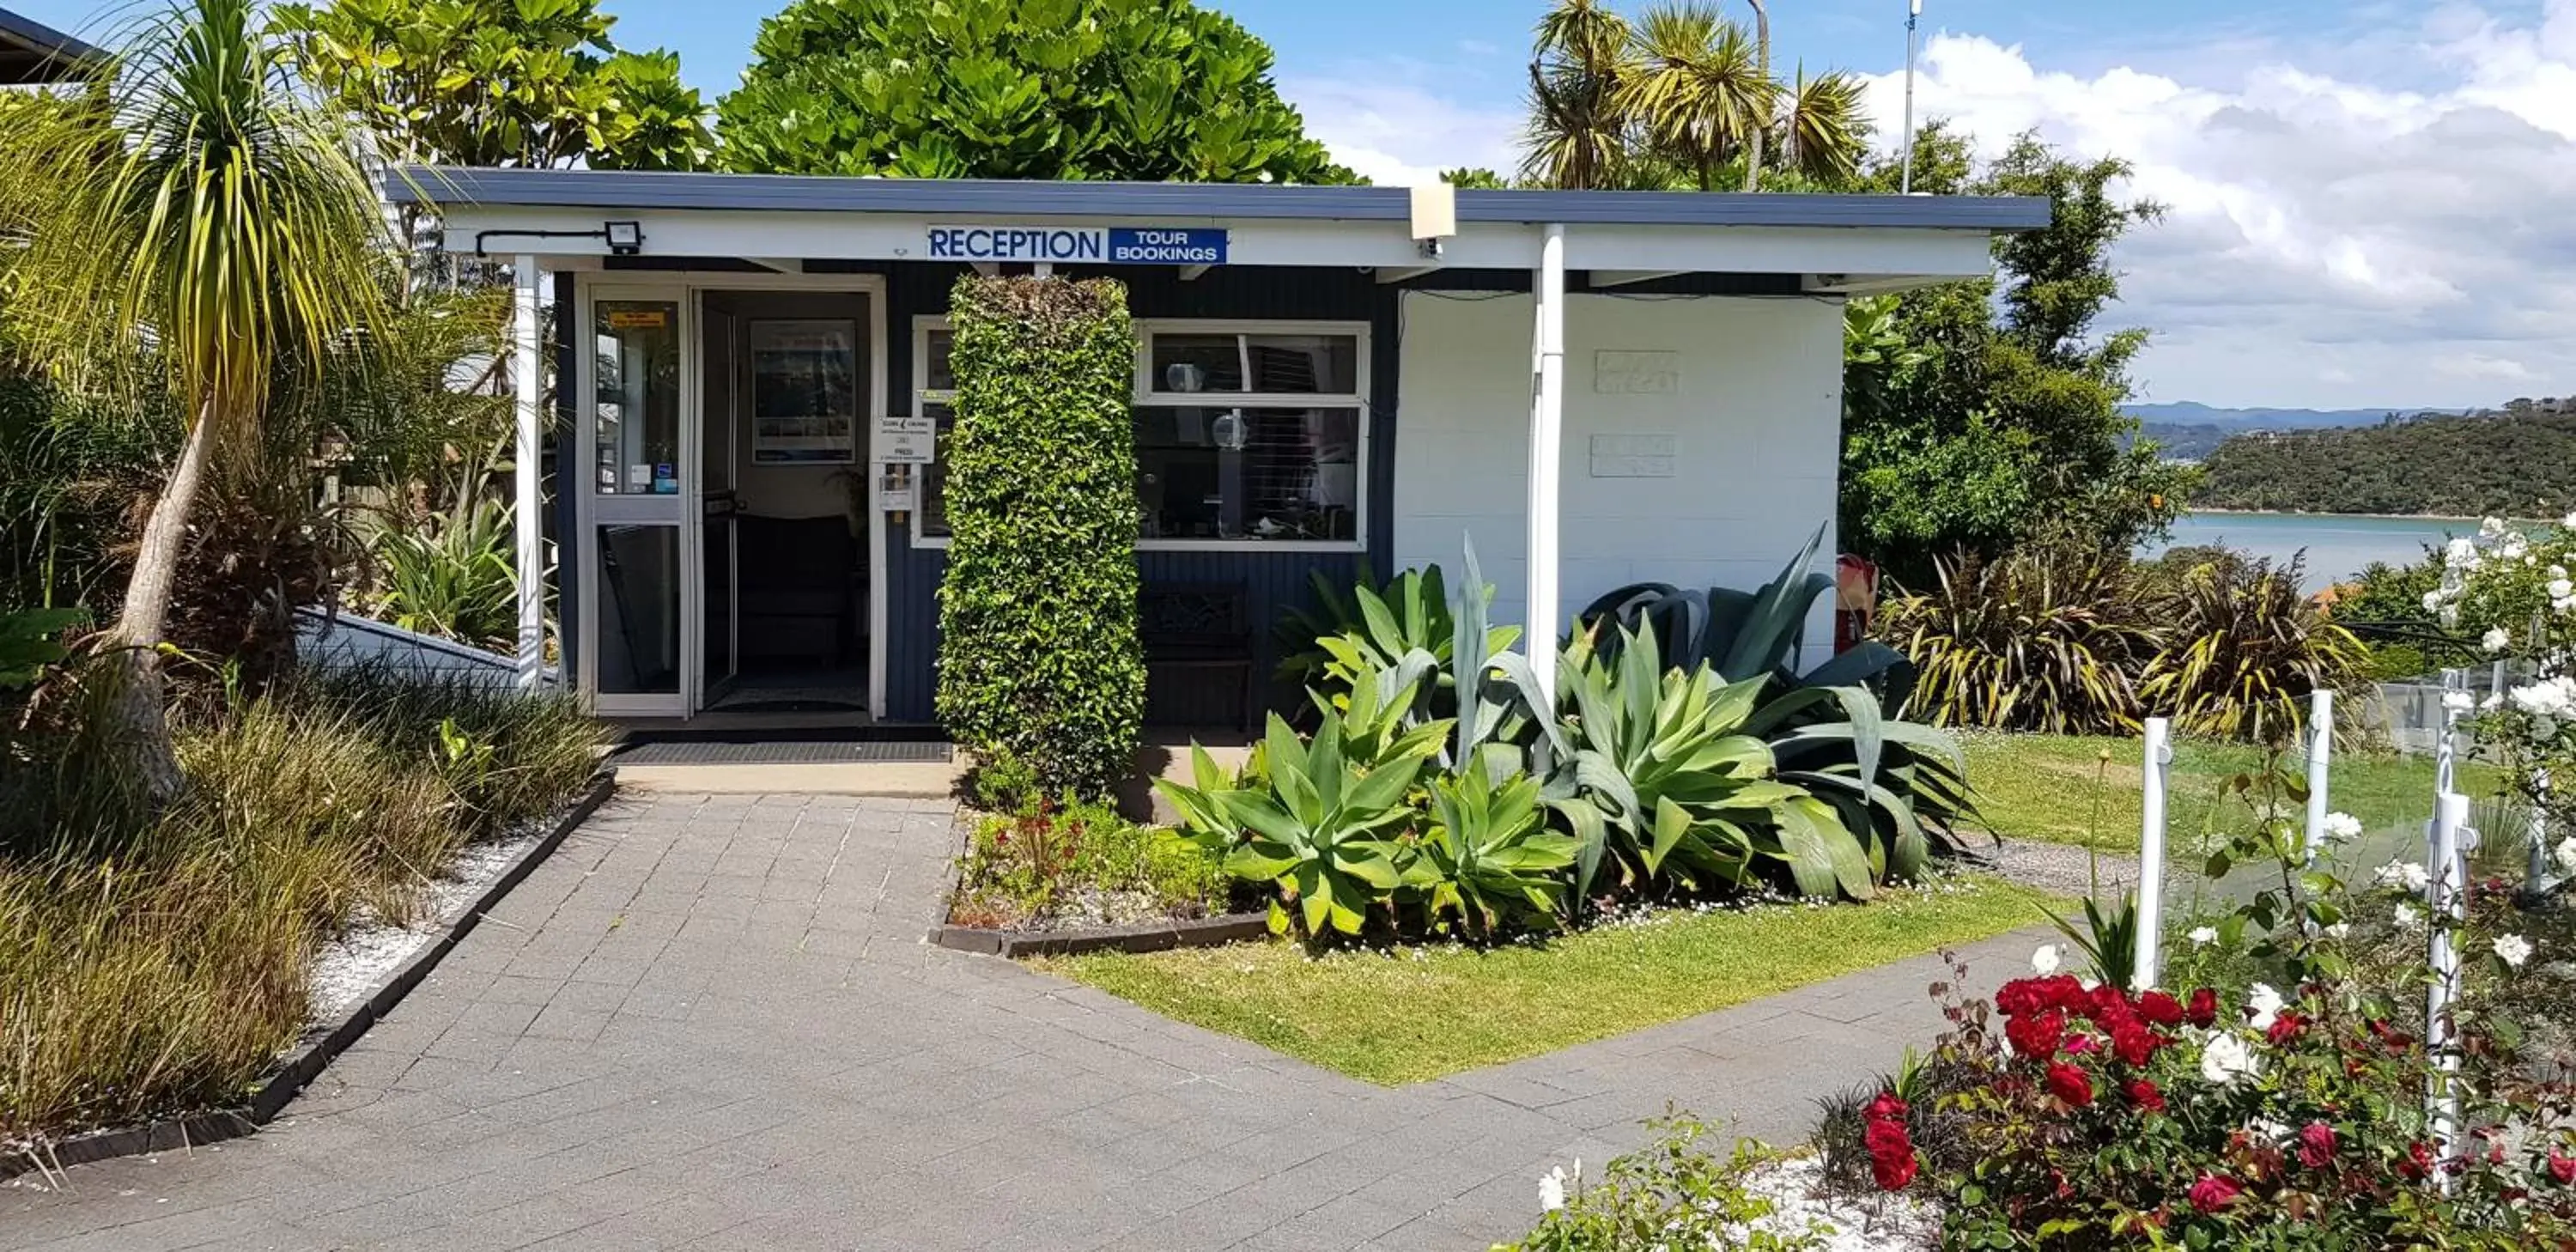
{"type": "Point", "coordinates": [32, 52]}
{"type": "Point", "coordinates": [630, 189]}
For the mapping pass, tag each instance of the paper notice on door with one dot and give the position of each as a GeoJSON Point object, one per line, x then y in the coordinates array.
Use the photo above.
{"type": "Point", "coordinates": [639, 477]}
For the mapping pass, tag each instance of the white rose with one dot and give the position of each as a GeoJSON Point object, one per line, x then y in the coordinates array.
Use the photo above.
{"type": "Point", "coordinates": [2489, 528]}
{"type": "Point", "coordinates": [2497, 640]}
{"type": "Point", "coordinates": [2406, 917]}
{"type": "Point", "coordinates": [2460, 554]}
{"type": "Point", "coordinates": [2567, 855]}
{"type": "Point", "coordinates": [2432, 601]}
{"type": "Point", "coordinates": [1551, 1189]}
{"type": "Point", "coordinates": [2340, 930]}
{"type": "Point", "coordinates": [2342, 827]}
{"type": "Point", "coordinates": [2458, 701]}
{"type": "Point", "coordinates": [2266, 1004]}
{"type": "Point", "coordinates": [2044, 962]}
{"type": "Point", "coordinates": [2227, 1060]}
{"type": "Point", "coordinates": [2568, 522]}
{"type": "Point", "coordinates": [2557, 571]}
{"type": "Point", "coordinates": [2207, 935]}
{"type": "Point", "coordinates": [2560, 588]}
{"type": "Point", "coordinates": [2513, 950]}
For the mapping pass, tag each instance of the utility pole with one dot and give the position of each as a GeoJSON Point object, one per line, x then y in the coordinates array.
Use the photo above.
{"type": "Point", "coordinates": [1905, 180]}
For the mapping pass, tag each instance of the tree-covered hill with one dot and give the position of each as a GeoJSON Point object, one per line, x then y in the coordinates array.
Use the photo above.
{"type": "Point", "coordinates": [2518, 462]}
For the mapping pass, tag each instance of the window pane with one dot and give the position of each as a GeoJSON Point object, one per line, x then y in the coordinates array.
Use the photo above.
{"type": "Point", "coordinates": [934, 476]}
{"type": "Point", "coordinates": [1193, 363]}
{"type": "Point", "coordinates": [1212, 473]}
{"type": "Point", "coordinates": [935, 360]}
{"type": "Point", "coordinates": [639, 610]}
{"type": "Point", "coordinates": [1304, 364]}
{"type": "Point", "coordinates": [636, 346]}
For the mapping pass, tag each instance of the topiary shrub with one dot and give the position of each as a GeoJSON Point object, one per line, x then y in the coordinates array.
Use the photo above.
{"type": "Point", "coordinates": [1038, 659]}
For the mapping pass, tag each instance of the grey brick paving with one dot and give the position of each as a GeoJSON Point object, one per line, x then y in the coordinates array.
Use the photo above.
{"type": "Point", "coordinates": [710, 1022]}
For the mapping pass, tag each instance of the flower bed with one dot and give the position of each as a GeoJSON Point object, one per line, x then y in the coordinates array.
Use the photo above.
{"type": "Point", "coordinates": [1060, 867]}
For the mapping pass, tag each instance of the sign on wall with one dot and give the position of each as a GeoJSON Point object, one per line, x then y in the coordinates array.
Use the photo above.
{"type": "Point", "coordinates": [804, 390]}
{"type": "Point", "coordinates": [1097, 245]}
{"type": "Point", "coordinates": [907, 440]}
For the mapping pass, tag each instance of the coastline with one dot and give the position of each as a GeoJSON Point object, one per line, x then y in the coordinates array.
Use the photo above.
{"type": "Point", "coordinates": [2377, 517]}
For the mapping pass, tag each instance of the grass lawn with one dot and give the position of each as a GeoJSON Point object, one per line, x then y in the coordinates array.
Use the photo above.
{"type": "Point", "coordinates": [2059, 789]}
{"type": "Point", "coordinates": [1415, 1014]}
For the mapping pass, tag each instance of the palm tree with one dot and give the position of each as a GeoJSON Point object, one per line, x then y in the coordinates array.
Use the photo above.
{"type": "Point", "coordinates": [1578, 135]}
{"type": "Point", "coordinates": [1825, 130]}
{"type": "Point", "coordinates": [1692, 83]}
{"type": "Point", "coordinates": [1762, 36]}
{"type": "Point", "coordinates": [195, 212]}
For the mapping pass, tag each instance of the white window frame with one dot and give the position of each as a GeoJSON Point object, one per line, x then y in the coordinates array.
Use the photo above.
{"type": "Point", "coordinates": [1142, 395]}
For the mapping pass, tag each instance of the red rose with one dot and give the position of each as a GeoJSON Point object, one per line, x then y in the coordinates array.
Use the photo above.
{"type": "Point", "coordinates": [1887, 1107]}
{"type": "Point", "coordinates": [2135, 1043]}
{"type": "Point", "coordinates": [2160, 1008]}
{"type": "Point", "coordinates": [2145, 1095]}
{"type": "Point", "coordinates": [1891, 1151]}
{"type": "Point", "coordinates": [1893, 1173]}
{"type": "Point", "coordinates": [2037, 1035]}
{"type": "Point", "coordinates": [2418, 1164]}
{"type": "Point", "coordinates": [2106, 1002]}
{"type": "Point", "coordinates": [2285, 1029]}
{"type": "Point", "coordinates": [2562, 1168]}
{"type": "Point", "coordinates": [2213, 1193]}
{"type": "Point", "coordinates": [2317, 1145]}
{"type": "Point", "coordinates": [2070, 1084]}
{"type": "Point", "coordinates": [2204, 1008]}
{"type": "Point", "coordinates": [2080, 1045]}
{"type": "Point", "coordinates": [2017, 997]}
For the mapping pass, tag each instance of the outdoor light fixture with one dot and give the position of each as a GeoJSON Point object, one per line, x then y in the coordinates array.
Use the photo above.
{"type": "Point", "coordinates": [1229, 431]}
{"type": "Point", "coordinates": [624, 238]}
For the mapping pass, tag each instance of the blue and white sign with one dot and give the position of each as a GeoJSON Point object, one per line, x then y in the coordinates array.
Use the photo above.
{"type": "Point", "coordinates": [1112, 245]}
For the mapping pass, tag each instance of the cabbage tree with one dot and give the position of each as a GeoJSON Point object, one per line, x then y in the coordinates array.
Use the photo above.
{"type": "Point", "coordinates": [196, 214]}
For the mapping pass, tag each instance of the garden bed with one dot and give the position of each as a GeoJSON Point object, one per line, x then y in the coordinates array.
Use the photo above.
{"type": "Point", "coordinates": [1061, 879]}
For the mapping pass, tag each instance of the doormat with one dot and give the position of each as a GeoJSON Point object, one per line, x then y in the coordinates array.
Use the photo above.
{"type": "Point", "coordinates": [795, 704]}
{"type": "Point", "coordinates": [785, 752]}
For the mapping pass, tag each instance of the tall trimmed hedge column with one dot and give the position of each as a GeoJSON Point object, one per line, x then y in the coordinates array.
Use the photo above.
{"type": "Point", "coordinates": [1038, 660]}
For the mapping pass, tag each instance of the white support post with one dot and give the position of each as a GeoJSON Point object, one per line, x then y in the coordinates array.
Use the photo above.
{"type": "Point", "coordinates": [2151, 856]}
{"type": "Point", "coordinates": [528, 345]}
{"type": "Point", "coordinates": [2320, 761]}
{"type": "Point", "coordinates": [2446, 748]}
{"type": "Point", "coordinates": [1547, 438]}
{"type": "Point", "coordinates": [2446, 900]}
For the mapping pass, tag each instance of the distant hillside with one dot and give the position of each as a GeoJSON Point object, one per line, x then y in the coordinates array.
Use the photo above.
{"type": "Point", "coordinates": [2186, 413]}
{"type": "Point", "coordinates": [2517, 462]}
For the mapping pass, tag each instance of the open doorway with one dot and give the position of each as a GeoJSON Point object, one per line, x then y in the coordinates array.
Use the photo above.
{"type": "Point", "coordinates": [786, 397]}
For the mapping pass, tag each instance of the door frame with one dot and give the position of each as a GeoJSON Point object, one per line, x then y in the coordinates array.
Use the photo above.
{"type": "Point", "coordinates": [688, 288]}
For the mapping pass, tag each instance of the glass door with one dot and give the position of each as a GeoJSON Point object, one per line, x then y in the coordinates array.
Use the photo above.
{"type": "Point", "coordinates": [720, 388]}
{"type": "Point", "coordinates": [640, 453]}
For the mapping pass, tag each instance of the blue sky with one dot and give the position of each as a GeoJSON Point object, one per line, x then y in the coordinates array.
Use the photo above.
{"type": "Point", "coordinates": [2366, 197]}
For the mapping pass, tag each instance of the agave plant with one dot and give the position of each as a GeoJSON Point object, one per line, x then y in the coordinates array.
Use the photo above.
{"type": "Point", "coordinates": [1377, 629]}
{"type": "Point", "coordinates": [1317, 822]}
{"type": "Point", "coordinates": [1489, 856]}
{"type": "Point", "coordinates": [457, 580]}
{"type": "Point", "coordinates": [1741, 634]}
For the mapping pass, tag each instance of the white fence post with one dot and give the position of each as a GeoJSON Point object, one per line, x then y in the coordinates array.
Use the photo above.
{"type": "Point", "coordinates": [2320, 754]}
{"type": "Point", "coordinates": [2151, 857]}
{"type": "Point", "coordinates": [2445, 749]}
{"type": "Point", "coordinates": [2446, 899]}
{"type": "Point", "coordinates": [2536, 824]}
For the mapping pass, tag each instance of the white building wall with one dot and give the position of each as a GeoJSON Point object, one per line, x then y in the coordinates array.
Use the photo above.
{"type": "Point", "coordinates": [1748, 391]}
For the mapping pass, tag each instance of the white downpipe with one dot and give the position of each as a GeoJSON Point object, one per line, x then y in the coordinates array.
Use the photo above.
{"type": "Point", "coordinates": [527, 344]}
{"type": "Point", "coordinates": [2320, 761]}
{"type": "Point", "coordinates": [1547, 442]}
{"type": "Point", "coordinates": [2446, 900]}
{"type": "Point", "coordinates": [2151, 856]}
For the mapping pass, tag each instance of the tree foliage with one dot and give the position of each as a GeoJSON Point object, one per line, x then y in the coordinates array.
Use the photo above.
{"type": "Point", "coordinates": [2518, 463]}
{"type": "Point", "coordinates": [1682, 97]}
{"type": "Point", "coordinates": [532, 83]}
{"type": "Point", "coordinates": [1979, 415]}
{"type": "Point", "coordinates": [1142, 90]}
{"type": "Point", "coordinates": [1039, 663]}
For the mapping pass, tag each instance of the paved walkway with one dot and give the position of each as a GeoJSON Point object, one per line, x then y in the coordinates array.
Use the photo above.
{"type": "Point", "coordinates": [709, 1022]}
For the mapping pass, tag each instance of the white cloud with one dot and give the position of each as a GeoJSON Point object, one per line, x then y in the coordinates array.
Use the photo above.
{"type": "Point", "coordinates": [2330, 242]}
{"type": "Point", "coordinates": [1397, 132]}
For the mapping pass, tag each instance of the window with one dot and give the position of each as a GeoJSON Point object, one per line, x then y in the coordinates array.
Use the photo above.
{"type": "Point", "coordinates": [1247, 434]}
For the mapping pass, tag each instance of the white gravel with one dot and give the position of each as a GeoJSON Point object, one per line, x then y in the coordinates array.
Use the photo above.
{"type": "Point", "coordinates": [1851, 1224]}
{"type": "Point", "coordinates": [348, 969]}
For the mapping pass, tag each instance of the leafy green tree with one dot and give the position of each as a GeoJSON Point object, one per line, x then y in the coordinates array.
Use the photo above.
{"type": "Point", "coordinates": [1995, 420]}
{"type": "Point", "coordinates": [199, 204]}
{"type": "Point", "coordinates": [530, 83]}
{"type": "Point", "coordinates": [1142, 90]}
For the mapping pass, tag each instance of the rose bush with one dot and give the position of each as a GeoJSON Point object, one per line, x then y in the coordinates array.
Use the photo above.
{"type": "Point", "coordinates": [2514, 591]}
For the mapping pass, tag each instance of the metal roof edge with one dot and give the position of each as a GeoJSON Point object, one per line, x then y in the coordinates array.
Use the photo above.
{"type": "Point", "coordinates": [45, 41]}
{"type": "Point", "coordinates": [654, 190]}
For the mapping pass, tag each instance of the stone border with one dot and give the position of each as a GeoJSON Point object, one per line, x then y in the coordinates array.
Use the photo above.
{"type": "Point", "coordinates": [1202, 932]}
{"type": "Point", "coordinates": [308, 1060]}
